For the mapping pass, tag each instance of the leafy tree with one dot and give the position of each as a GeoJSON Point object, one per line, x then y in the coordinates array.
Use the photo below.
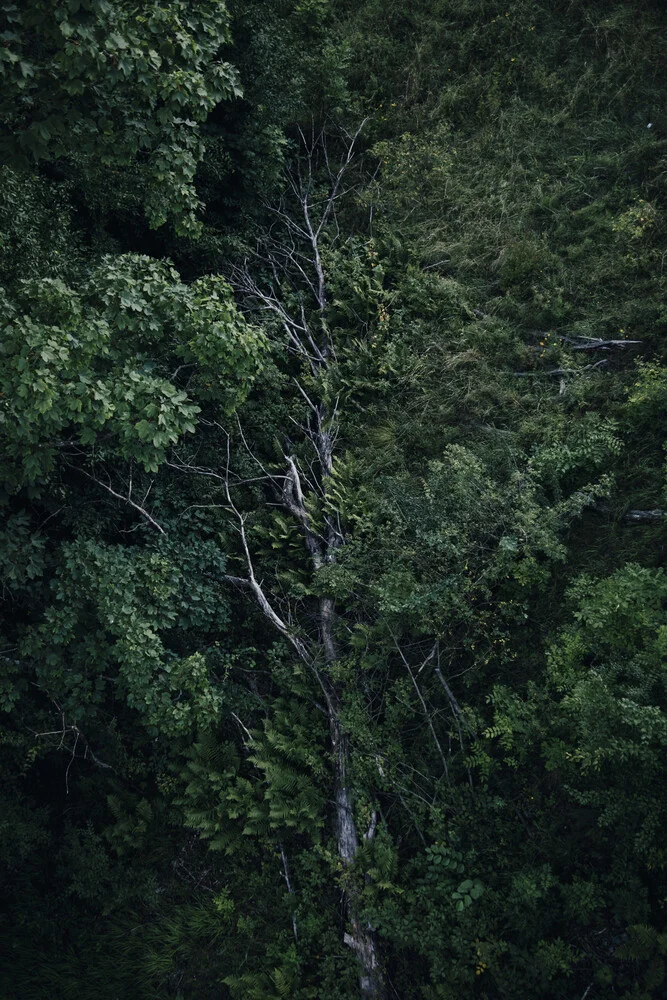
{"type": "Point", "coordinates": [110, 87]}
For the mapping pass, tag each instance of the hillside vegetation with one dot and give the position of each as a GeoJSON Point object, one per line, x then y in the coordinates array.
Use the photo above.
{"type": "Point", "coordinates": [333, 404]}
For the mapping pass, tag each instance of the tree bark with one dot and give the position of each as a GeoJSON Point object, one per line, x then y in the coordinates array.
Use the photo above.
{"type": "Point", "coordinates": [360, 936]}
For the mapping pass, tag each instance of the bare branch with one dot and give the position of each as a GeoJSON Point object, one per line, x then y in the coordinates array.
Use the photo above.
{"type": "Point", "coordinates": [289, 888]}
{"type": "Point", "coordinates": [238, 581]}
{"type": "Point", "coordinates": [425, 710]}
{"type": "Point", "coordinates": [457, 713]}
{"type": "Point", "coordinates": [126, 499]}
{"type": "Point", "coordinates": [341, 173]}
{"type": "Point", "coordinates": [595, 344]}
{"type": "Point", "coordinates": [645, 515]}
{"type": "Point", "coordinates": [294, 501]}
{"type": "Point", "coordinates": [72, 729]}
{"type": "Point", "coordinates": [566, 371]}
{"type": "Point", "coordinates": [305, 395]}
{"type": "Point", "coordinates": [248, 735]}
{"type": "Point", "coordinates": [256, 587]}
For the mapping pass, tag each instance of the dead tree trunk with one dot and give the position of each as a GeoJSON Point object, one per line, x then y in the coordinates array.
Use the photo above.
{"type": "Point", "coordinates": [295, 257]}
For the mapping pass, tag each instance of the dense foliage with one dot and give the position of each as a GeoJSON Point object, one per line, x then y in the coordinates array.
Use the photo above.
{"type": "Point", "coordinates": [332, 416]}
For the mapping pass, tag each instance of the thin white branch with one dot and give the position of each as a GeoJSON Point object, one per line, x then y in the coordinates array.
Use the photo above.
{"type": "Point", "coordinates": [289, 888]}
{"type": "Point", "coordinates": [425, 710]}
{"type": "Point", "coordinates": [261, 598]}
{"type": "Point", "coordinates": [126, 499]}
{"type": "Point", "coordinates": [246, 731]}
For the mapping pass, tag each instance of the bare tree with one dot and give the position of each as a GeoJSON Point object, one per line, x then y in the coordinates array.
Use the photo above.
{"type": "Point", "coordinates": [286, 279]}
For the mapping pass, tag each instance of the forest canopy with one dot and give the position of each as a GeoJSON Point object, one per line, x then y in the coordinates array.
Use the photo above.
{"type": "Point", "coordinates": [333, 500]}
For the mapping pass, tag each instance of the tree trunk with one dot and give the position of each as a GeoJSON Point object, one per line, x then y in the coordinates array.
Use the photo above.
{"type": "Point", "coordinates": [360, 936]}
